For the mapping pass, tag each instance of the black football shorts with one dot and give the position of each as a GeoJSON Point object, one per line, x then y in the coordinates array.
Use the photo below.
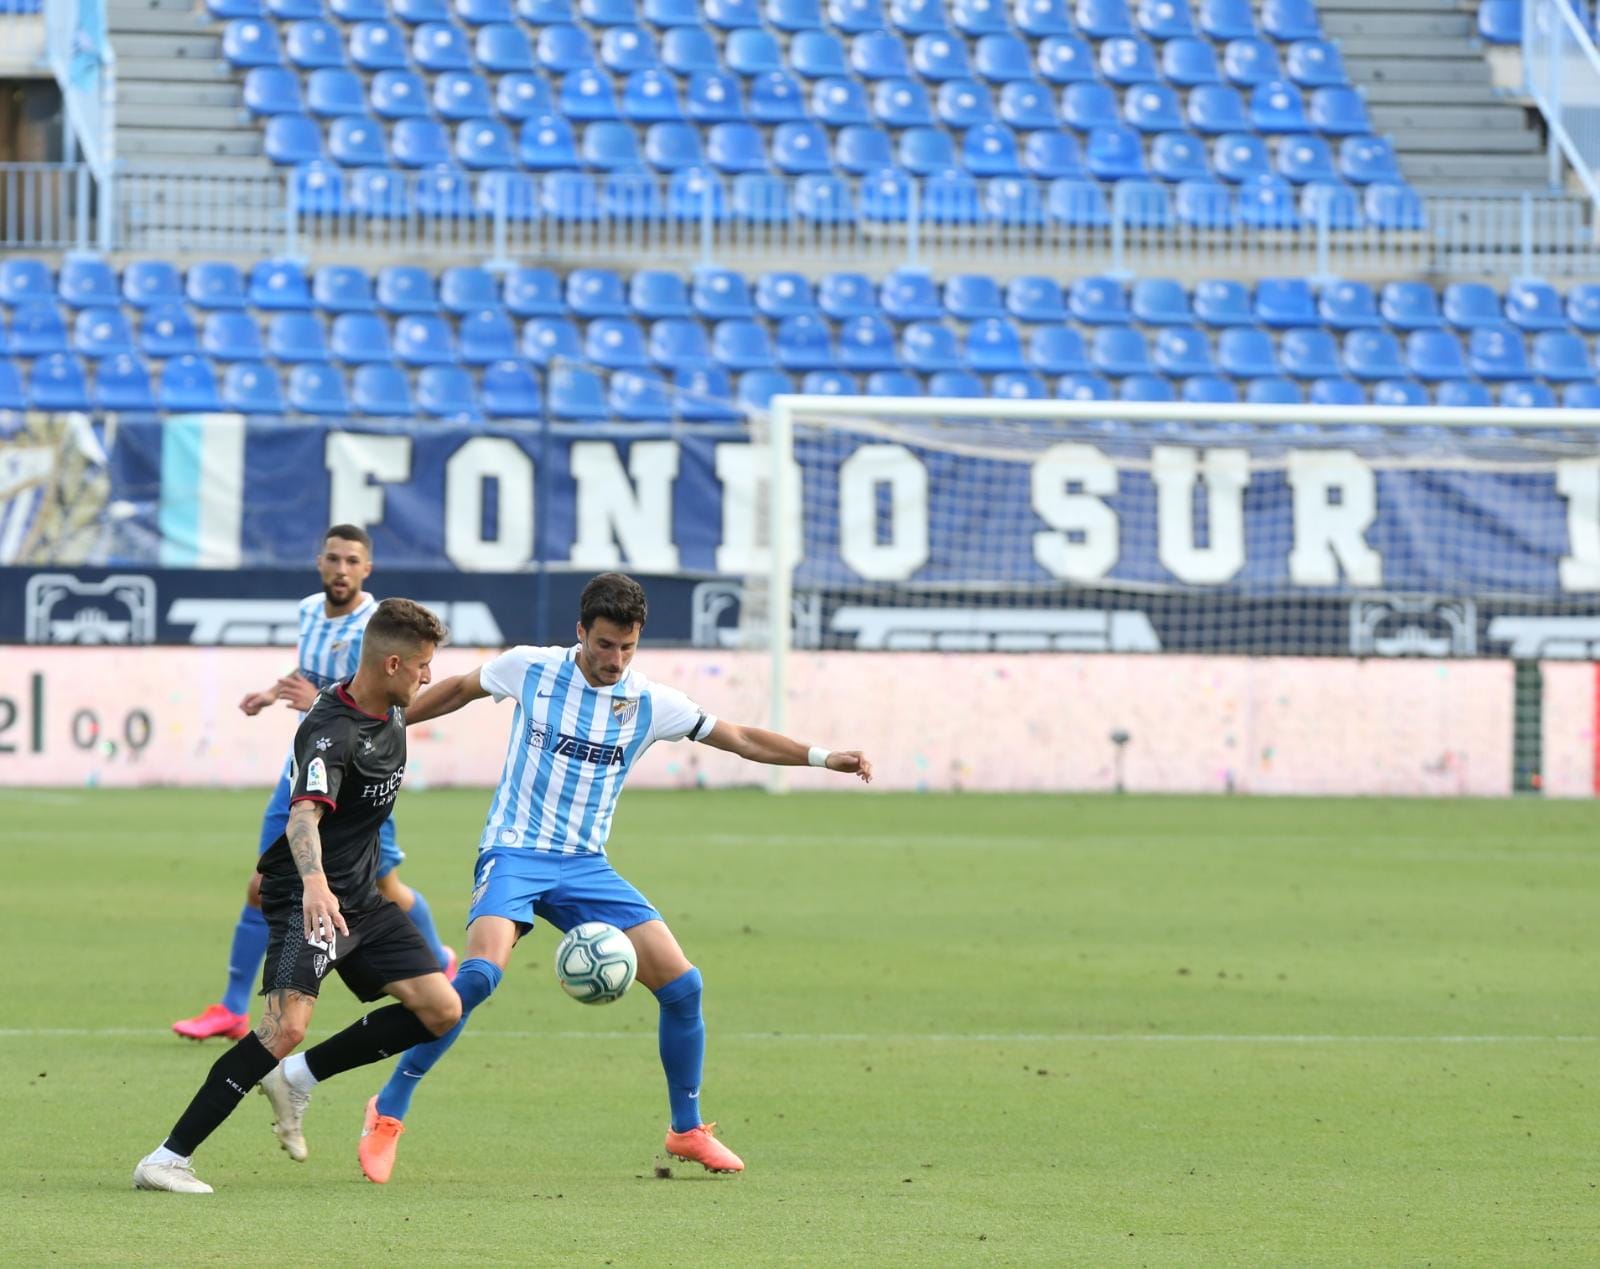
{"type": "Point", "coordinates": [383, 946]}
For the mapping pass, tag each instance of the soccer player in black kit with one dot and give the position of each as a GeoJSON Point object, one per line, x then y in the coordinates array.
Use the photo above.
{"type": "Point", "coordinates": [323, 910]}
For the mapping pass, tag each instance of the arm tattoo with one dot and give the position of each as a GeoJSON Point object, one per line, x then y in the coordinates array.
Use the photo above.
{"type": "Point", "coordinates": [305, 842]}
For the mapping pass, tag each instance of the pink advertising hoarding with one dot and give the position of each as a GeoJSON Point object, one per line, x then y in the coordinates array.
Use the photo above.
{"type": "Point", "coordinates": [80, 716]}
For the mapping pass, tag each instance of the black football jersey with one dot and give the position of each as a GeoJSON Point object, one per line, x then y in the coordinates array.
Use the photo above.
{"type": "Point", "coordinates": [352, 762]}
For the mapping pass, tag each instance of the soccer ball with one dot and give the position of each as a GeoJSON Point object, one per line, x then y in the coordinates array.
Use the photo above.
{"type": "Point", "coordinates": [595, 963]}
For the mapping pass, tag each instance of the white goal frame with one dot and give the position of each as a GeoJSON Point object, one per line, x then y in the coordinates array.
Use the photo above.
{"type": "Point", "coordinates": [784, 410]}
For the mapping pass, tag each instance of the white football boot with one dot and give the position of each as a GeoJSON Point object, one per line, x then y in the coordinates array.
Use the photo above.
{"type": "Point", "coordinates": [288, 1109]}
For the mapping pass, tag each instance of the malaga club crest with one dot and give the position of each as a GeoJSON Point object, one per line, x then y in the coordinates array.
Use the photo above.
{"type": "Point", "coordinates": [623, 711]}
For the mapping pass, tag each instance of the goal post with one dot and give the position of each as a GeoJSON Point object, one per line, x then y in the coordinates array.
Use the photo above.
{"type": "Point", "coordinates": [913, 524]}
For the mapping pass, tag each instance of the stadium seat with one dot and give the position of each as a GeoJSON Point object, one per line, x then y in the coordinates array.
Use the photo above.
{"type": "Point", "coordinates": [486, 336]}
{"type": "Point", "coordinates": [593, 293]}
{"type": "Point", "coordinates": [1527, 395]}
{"type": "Point", "coordinates": [547, 143]}
{"type": "Point", "coordinates": [548, 339]}
{"type": "Point", "coordinates": [867, 342]}
{"type": "Point", "coordinates": [656, 293]}
{"type": "Point", "coordinates": [483, 144]}
{"type": "Point", "coordinates": [1160, 302]}
{"type": "Point", "coordinates": [121, 383]}
{"type": "Point", "coordinates": [1575, 396]}
{"type": "Point", "coordinates": [1240, 157]}
{"type": "Point", "coordinates": [522, 97]}
{"type": "Point", "coordinates": [1315, 63]}
{"type": "Point", "coordinates": [1026, 104]}
{"type": "Point", "coordinates": [893, 383]}
{"type": "Point", "coordinates": [215, 285]}
{"type": "Point", "coordinates": [1119, 350]}
{"type": "Point", "coordinates": [714, 96]}
{"type": "Point", "coordinates": [1103, 19]}
{"type": "Point", "coordinates": [313, 44]}
{"type": "Point", "coordinates": [804, 342]}
{"type": "Point", "coordinates": [718, 294]}
{"type": "Point", "coordinates": [420, 340]}
{"type": "Point", "coordinates": [1273, 390]}
{"type": "Point", "coordinates": [1248, 62]}
{"type": "Point", "coordinates": [1332, 204]}
{"type": "Point", "coordinates": [1066, 59]}
{"type": "Point", "coordinates": [104, 332]}
{"type": "Point", "coordinates": [1003, 58]}
{"type": "Point", "coordinates": [1561, 357]}
{"type": "Point", "coordinates": [292, 140]}
{"type": "Point", "coordinates": [1011, 200]}
{"type": "Point", "coordinates": [507, 194]}
{"type": "Point", "coordinates": [378, 46]}
{"type": "Point", "coordinates": [1084, 387]}
{"type": "Point", "coordinates": [971, 297]}
{"type": "Point", "coordinates": [342, 289]}
{"type": "Point", "coordinates": [331, 92]}
{"type": "Point", "coordinates": [1227, 19]}
{"type": "Point", "coordinates": [1337, 390]}
{"type": "Point", "coordinates": [1277, 107]}
{"type": "Point", "coordinates": [1468, 305]}
{"type": "Point", "coordinates": [819, 55]}
{"type": "Point", "coordinates": [752, 52]}
{"type": "Point", "coordinates": [419, 143]}
{"type": "Point", "coordinates": [776, 97]}
{"type": "Point", "coordinates": [627, 50]}
{"type": "Point", "coordinates": [275, 285]}
{"type": "Point", "coordinates": [1189, 63]}
{"type": "Point", "coordinates": [875, 55]}
{"type": "Point", "coordinates": [842, 296]}
{"type": "Point", "coordinates": [672, 13]}
{"type": "Point", "coordinates": [1128, 60]}
{"type": "Point", "coordinates": [949, 383]}
{"type": "Point", "coordinates": [1216, 109]}
{"type": "Point", "coordinates": [1203, 203]}
{"type": "Point", "coordinates": [640, 397]}
{"type": "Point", "coordinates": [1373, 354]}
{"type": "Point", "coordinates": [187, 386]}
{"type": "Point", "coordinates": [586, 96]}
{"type": "Point", "coordinates": [964, 103]}
{"type": "Point", "coordinates": [526, 292]}
{"type": "Point", "coordinates": [910, 295]}
{"type": "Point", "coordinates": [651, 96]}
{"type": "Point", "coordinates": [1052, 153]}
{"type": "Point", "coordinates": [678, 343]}
{"type": "Point", "coordinates": [1146, 387]}
{"type": "Point", "coordinates": [144, 282]}
{"type": "Point", "coordinates": [1208, 390]}
{"type": "Point", "coordinates": [1115, 154]}
{"type": "Point", "coordinates": [36, 330]}
{"type": "Point", "coordinates": [503, 48]}
{"type": "Point", "coordinates": [1583, 307]}
{"type": "Point", "coordinates": [842, 102]}
{"type": "Point", "coordinates": [1282, 302]}
{"type": "Point", "coordinates": [1153, 108]}
{"type": "Point", "coordinates": [1394, 205]}
{"type": "Point", "coordinates": [671, 147]}
{"type": "Point", "coordinates": [990, 150]}
{"type": "Point", "coordinates": [609, 145]}
{"type": "Point", "coordinates": [737, 147]}
{"type": "Point", "coordinates": [703, 395]}
{"type": "Point", "coordinates": [1018, 385]}
{"type": "Point", "coordinates": [564, 48]}
{"type": "Point", "coordinates": [1183, 350]}
{"type": "Point", "coordinates": [86, 281]}
{"type": "Point", "coordinates": [382, 391]}
{"type": "Point", "coordinates": [616, 343]}
{"type": "Point", "coordinates": [1089, 105]}
{"type": "Point", "coordinates": [295, 336]}
{"type": "Point", "coordinates": [1179, 156]}
{"type": "Point", "coordinates": [694, 193]}
{"type": "Point", "coordinates": [1339, 112]}
{"type": "Point", "coordinates": [251, 42]}
{"type": "Point", "coordinates": [231, 336]}
{"type": "Point", "coordinates": [923, 151]}
{"type": "Point", "coordinates": [1288, 20]}
{"type": "Point", "coordinates": [1035, 298]}
{"type": "Point", "coordinates": [166, 330]}
{"type": "Point", "coordinates": [1042, 18]}
{"type": "Point", "coordinates": [796, 148]}
{"type": "Point", "coordinates": [1500, 21]}
{"type": "Point", "coordinates": [861, 149]}
{"type": "Point", "coordinates": [357, 141]}
{"type": "Point", "coordinates": [272, 90]}
{"type": "Point", "coordinates": [58, 382]}
{"type": "Point", "coordinates": [940, 57]}
{"type": "Point", "coordinates": [447, 392]}
{"type": "Point", "coordinates": [416, 12]}
{"type": "Point", "coordinates": [1496, 352]}
{"type": "Point", "coordinates": [1223, 303]}
{"type": "Point", "coordinates": [1399, 392]}
{"type": "Point", "coordinates": [1348, 305]}
{"type": "Point", "coordinates": [510, 390]}
{"type": "Point", "coordinates": [1246, 352]}
{"type": "Point", "coordinates": [794, 15]}
{"type": "Point", "coordinates": [1364, 160]}
{"type": "Point", "coordinates": [607, 13]}
{"type": "Point", "coordinates": [1165, 19]}
{"type": "Point", "coordinates": [758, 387]}
{"type": "Point", "coordinates": [1057, 350]}
{"type": "Point", "coordinates": [993, 346]}
{"type": "Point", "coordinates": [1309, 354]}
{"type": "Point", "coordinates": [1433, 354]}
{"type": "Point", "coordinates": [740, 344]}
{"type": "Point", "coordinates": [979, 17]}
{"type": "Point", "coordinates": [398, 94]}
{"type": "Point", "coordinates": [1535, 306]}
{"type": "Point", "coordinates": [459, 96]}
{"type": "Point", "coordinates": [251, 387]}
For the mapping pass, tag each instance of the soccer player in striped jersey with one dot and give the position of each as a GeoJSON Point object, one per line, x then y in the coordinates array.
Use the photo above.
{"type": "Point", "coordinates": [583, 717]}
{"type": "Point", "coordinates": [333, 622]}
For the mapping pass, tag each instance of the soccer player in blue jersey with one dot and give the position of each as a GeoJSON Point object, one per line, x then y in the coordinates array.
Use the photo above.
{"type": "Point", "coordinates": [332, 624]}
{"type": "Point", "coordinates": [582, 719]}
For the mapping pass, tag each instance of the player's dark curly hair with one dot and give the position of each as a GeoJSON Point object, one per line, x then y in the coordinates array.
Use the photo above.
{"type": "Point", "coordinates": [402, 623]}
{"type": "Point", "coordinates": [614, 596]}
{"type": "Point", "coordinates": [349, 533]}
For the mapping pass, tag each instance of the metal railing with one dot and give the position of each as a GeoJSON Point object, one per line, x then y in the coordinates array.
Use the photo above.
{"type": "Point", "coordinates": [1562, 69]}
{"type": "Point", "coordinates": [85, 68]}
{"type": "Point", "coordinates": [448, 217]}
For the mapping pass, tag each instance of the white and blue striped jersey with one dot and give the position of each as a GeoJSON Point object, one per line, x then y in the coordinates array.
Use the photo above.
{"type": "Point", "coordinates": [572, 746]}
{"type": "Point", "coordinates": [330, 647]}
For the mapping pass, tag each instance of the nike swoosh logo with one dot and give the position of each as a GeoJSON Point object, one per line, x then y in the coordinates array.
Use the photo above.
{"type": "Point", "coordinates": [544, 695]}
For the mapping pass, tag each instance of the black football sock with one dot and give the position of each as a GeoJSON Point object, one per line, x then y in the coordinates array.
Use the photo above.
{"type": "Point", "coordinates": [233, 1075]}
{"type": "Point", "coordinates": [382, 1033]}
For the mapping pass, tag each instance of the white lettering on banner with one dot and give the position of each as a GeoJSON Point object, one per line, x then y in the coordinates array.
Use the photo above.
{"type": "Point", "coordinates": [482, 459]}
{"type": "Point", "coordinates": [354, 461]}
{"type": "Point", "coordinates": [1086, 540]}
{"type": "Point", "coordinates": [860, 475]}
{"type": "Point", "coordinates": [1578, 481]}
{"type": "Point", "coordinates": [615, 511]}
{"type": "Point", "coordinates": [1226, 473]}
{"type": "Point", "coordinates": [742, 470]}
{"type": "Point", "coordinates": [276, 622]}
{"type": "Point", "coordinates": [1335, 501]}
{"type": "Point", "coordinates": [997, 630]}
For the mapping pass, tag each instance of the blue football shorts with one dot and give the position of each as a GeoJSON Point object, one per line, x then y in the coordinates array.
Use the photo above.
{"type": "Point", "coordinates": [275, 823]}
{"type": "Point", "coordinates": [565, 890]}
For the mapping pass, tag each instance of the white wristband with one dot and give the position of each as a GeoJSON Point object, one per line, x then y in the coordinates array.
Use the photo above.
{"type": "Point", "coordinates": [818, 757]}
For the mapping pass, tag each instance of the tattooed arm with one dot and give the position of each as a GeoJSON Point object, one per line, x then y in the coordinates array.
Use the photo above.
{"type": "Point", "coordinates": [318, 905]}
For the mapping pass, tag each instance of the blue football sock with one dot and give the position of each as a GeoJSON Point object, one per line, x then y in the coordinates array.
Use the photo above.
{"type": "Point", "coordinates": [682, 1040]}
{"type": "Point", "coordinates": [422, 917]}
{"type": "Point", "coordinates": [475, 981]}
{"type": "Point", "coordinates": [244, 960]}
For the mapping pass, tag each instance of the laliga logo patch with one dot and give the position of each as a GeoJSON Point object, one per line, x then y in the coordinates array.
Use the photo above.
{"type": "Point", "coordinates": [622, 711]}
{"type": "Point", "coordinates": [316, 777]}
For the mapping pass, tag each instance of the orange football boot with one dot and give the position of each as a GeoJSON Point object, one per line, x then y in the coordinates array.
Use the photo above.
{"type": "Point", "coordinates": [217, 1020]}
{"type": "Point", "coordinates": [380, 1138]}
{"type": "Point", "coordinates": [700, 1145]}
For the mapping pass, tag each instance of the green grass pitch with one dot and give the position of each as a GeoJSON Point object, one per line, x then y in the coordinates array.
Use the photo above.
{"type": "Point", "coordinates": [956, 1030]}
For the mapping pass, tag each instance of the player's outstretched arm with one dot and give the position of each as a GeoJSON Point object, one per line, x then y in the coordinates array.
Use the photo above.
{"type": "Point", "coordinates": [320, 907]}
{"type": "Point", "coordinates": [446, 696]}
{"type": "Point", "coordinates": [759, 745]}
{"type": "Point", "coordinates": [255, 702]}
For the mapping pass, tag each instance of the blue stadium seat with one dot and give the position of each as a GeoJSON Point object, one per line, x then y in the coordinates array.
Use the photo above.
{"type": "Point", "coordinates": [564, 48]}
{"type": "Point", "coordinates": [1209, 390]}
{"type": "Point", "coordinates": [381, 391]}
{"type": "Point", "coordinates": [486, 336]}
{"type": "Point", "coordinates": [587, 95]}
{"type": "Point", "coordinates": [1399, 392]}
{"type": "Point", "coordinates": [485, 143]}
{"type": "Point", "coordinates": [548, 339]}
{"type": "Point", "coordinates": [994, 346]}
{"type": "Point", "coordinates": [398, 94]}
{"type": "Point", "coordinates": [547, 143]}
{"type": "Point", "coordinates": [1085, 387]}
{"type": "Point", "coordinates": [1165, 19]}
{"type": "Point", "coordinates": [817, 55]}
{"type": "Point", "coordinates": [1468, 305]}
{"type": "Point", "coordinates": [1291, 20]}
{"type": "Point", "coordinates": [1561, 357]}
{"type": "Point", "coordinates": [1526, 395]}
{"type": "Point", "coordinates": [651, 96]}
{"type": "Point", "coordinates": [444, 192]}
{"type": "Point", "coordinates": [609, 13]}
{"type": "Point", "coordinates": [166, 330]}
{"type": "Point", "coordinates": [460, 95]}
{"type": "Point", "coordinates": [776, 97]}
{"type": "Point", "coordinates": [1066, 59]}
{"type": "Point", "coordinates": [420, 340]}
{"type": "Point", "coordinates": [760, 198]}
{"type": "Point", "coordinates": [1146, 387]}
{"type": "Point", "coordinates": [738, 344]}
{"type": "Point", "coordinates": [1496, 352]}
{"type": "Point", "coordinates": [419, 143]}
{"type": "Point", "coordinates": [1308, 353]}
{"type": "Point", "coordinates": [780, 295]}
{"type": "Point", "coordinates": [290, 140]}
{"type": "Point", "coordinates": [1337, 390]}
{"type": "Point", "coordinates": [223, 10]}
{"type": "Point", "coordinates": [121, 383]}
{"type": "Point", "coordinates": [510, 390]}
{"type": "Point", "coordinates": [447, 392]}
{"type": "Point", "coordinates": [609, 146]}
{"type": "Point", "coordinates": [214, 285]}
{"type": "Point", "coordinates": [1432, 353]}
{"type": "Point", "coordinates": [718, 294]}
{"type": "Point", "coordinates": [1103, 19]}
{"type": "Point", "coordinates": [1051, 153]}
{"type": "Point", "coordinates": [1240, 157]}
{"type": "Point", "coordinates": [795, 15]}
{"type": "Point", "coordinates": [829, 383]}
{"type": "Point", "coordinates": [1223, 303]}
{"type": "Point", "coordinates": [951, 198]}
{"type": "Point", "coordinates": [758, 387]}
{"type": "Point", "coordinates": [1057, 350]}
{"type": "Point", "coordinates": [679, 343]}
{"type": "Point", "coordinates": [630, 194]}
{"type": "Point", "coordinates": [1575, 396]}
{"type": "Point", "coordinates": [1098, 301]}
{"type": "Point", "coordinates": [1246, 352]}
{"type": "Point", "coordinates": [1332, 203]}
{"type": "Point", "coordinates": [861, 149]}
{"type": "Point", "coordinates": [733, 15]}
{"type": "Point", "coordinates": [672, 13]}
{"type": "Point", "coordinates": [320, 189]}
{"type": "Point", "coordinates": [940, 57]}
{"type": "Point", "coordinates": [1180, 156]}
{"type": "Point", "coordinates": [1160, 302]}
{"type": "Point", "coordinates": [1278, 107]}
{"type": "Point", "coordinates": [1114, 153]}
{"type": "Point", "coordinates": [1363, 160]}
{"type": "Point", "coordinates": [101, 332]}
{"type": "Point", "coordinates": [950, 383]}
{"type": "Point", "coordinates": [886, 196]}
{"type": "Point", "coordinates": [1129, 60]}
{"type": "Point", "coordinates": [1348, 305]}
{"type": "Point", "coordinates": [715, 97]}
{"type": "Point", "coordinates": [416, 12]}
{"type": "Point", "coordinates": [509, 194]}
{"type": "Point", "coordinates": [1394, 205]}
{"type": "Point", "coordinates": [971, 297]}
{"type": "Point", "coordinates": [594, 293]}
{"type": "Point", "coordinates": [1119, 350]}
{"type": "Point", "coordinates": [1189, 63]}
{"type": "Point", "coordinates": [842, 102]}
{"type": "Point", "coordinates": [1535, 306]}
{"type": "Point", "coordinates": [842, 296]}
{"type": "Point", "coordinates": [990, 150]}
{"type": "Point", "coordinates": [804, 342]}
{"type": "Point", "coordinates": [313, 43]}
{"type": "Point", "coordinates": [86, 281]}
{"type": "Point", "coordinates": [1500, 21]}
{"type": "Point", "coordinates": [272, 90]}
{"type": "Point", "coordinates": [822, 198]}
{"type": "Point", "coordinates": [231, 336]}
{"type": "Point", "coordinates": [1018, 385]}
{"type": "Point", "coordinates": [1153, 108]}
{"type": "Point", "coordinates": [1011, 200]}
{"type": "Point", "coordinates": [520, 97]}
{"type": "Point", "coordinates": [1248, 62]}
{"type": "Point", "coordinates": [695, 193]}
{"type": "Point", "coordinates": [576, 395]}
{"type": "Point", "coordinates": [1316, 64]}
{"type": "Point", "coordinates": [875, 55]}
{"type": "Point", "coordinates": [295, 336]}
{"type": "Point", "coordinates": [617, 343]}
{"type": "Point", "coordinates": [703, 395]}
{"type": "Point", "coordinates": [923, 151]}
{"type": "Point", "coordinates": [250, 42]}
{"type": "Point", "coordinates": [796, 148]}
{"type": "Point", "coordinates": [526, 292]}
{"type": "Point", "coordinates": [187, 386]}
{"type": "Point", "coordinates": [1583, 307]}
{"type": "Point", "coordinates": [750, 52]}
{"type": "Point", "coordinates": [275, 285]}
{"type": "Point", "coordinates": [357, 141]}
{"type": "Point", "coordinates": [1001, 59]}
{"type": "Point", "coordinates": [1216, 109]}
{"type": "Point", "coordinates": [57, 382]}
{"type": "Point", "coordinates": [1409, 305]}
{"type": "Point", "coordinates": [378, 46]}
{"type": "Point", "coordinates": [918, 17]}
{"type": "Point", "coordinates": [1042, 18]}
{"type": "Point", "coordinates": [671, 147]}
{"type": "Point", "coordinates": [1273, 390]}
{"type": "Point", "coordinates": [331, 92]}
{"type": "Point", "coordinates": [251, 387]}
{"type": "Point", "coordinates": [1339, 112]}
{"type": "Point", "coordinates": [36, 330]}
{"type": "Point", "coordinates": [656, 293]}
{"type": "Point", "coordinates": [640, 397]}
{"type": "Point", "coordinates": [342, 289]}
{"type": "Point", "coordinates": [964, 103]}
{"type": "Point", "coordinates": [1183, 350]}
{"type": "Point", "coordinates": [1203, 202]}
{"type": "Point", "coordinates": [867, 342]}
{"type": "Point", "coordinates": [1282, 302]}
{"type": "Point", "coordinates": [893, 383]}
{"type": "Point", "coordinates": [978, 17]}
{"type": "Point", "coordinates": [1026, 104]}
{"type": "Point", "coordinates": [503, 48]}
{"type": "Point", "coordinates": [737, 147]}
{"type": "Point", "coordinates": [1373, 354]}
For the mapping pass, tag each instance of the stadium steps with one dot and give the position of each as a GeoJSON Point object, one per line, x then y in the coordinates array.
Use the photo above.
{"type": "Point", "coordinates": [1436, 100]}
{"type": "Point", "coordinates": [179, 103]}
